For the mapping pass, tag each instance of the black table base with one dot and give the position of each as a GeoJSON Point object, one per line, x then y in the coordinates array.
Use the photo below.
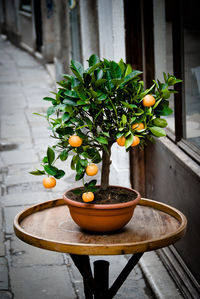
{"type": "Point", "coordinates": [97, 287]}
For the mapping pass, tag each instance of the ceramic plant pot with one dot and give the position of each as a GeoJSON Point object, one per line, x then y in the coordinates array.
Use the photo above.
{"type": "Point", "coordinates": [102, 217]}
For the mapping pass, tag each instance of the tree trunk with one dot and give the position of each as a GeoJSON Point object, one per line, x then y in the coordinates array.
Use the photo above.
{"type": "Point", "coordinates": [105, 171]}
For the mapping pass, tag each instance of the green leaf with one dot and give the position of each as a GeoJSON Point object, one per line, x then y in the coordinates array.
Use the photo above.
{"type": "Point", "coordinates": [79, 176]}
{"type": "Point", "coordinates": [64, 155]}
{"type": "Point", "coordinates": [130, 106]}
{"type": "Point", "coordinates": [128, 70]}
{"type": "Point", "coordinates": [93, 68]}
{"type": "Point", "coordinates": [165, 77]}
{"type": "Point", "coordinates": [84, 162]}
{"type": "Point", "coordinates": [68, 77]}
{"type": "Point", "coordinates": [69, 102]}
{"type": "Point", "coordinates": [50, 169]}
{"type": "Point", "coordinates": [106, 134]}
{"type": "Point", "coordinates": [37, 172]}
{"type": "Point", "coordinates": [160, 122]}
{"type": "Point", "coordinates": [122, 65]}
{"type": "Point", "coordinates": [66, 116]}
{"type": "Point", "coordinates": [166, 93]}
{"type": "Point", "coordinates": [98, 74]}
{"type": "Point", "coordinates": [165, 111]}
{"type": "Point", "coordinates": [124, 119]}
{"type": "Point", "coordinates": [86, 108]}
{"type": "Point", "coordinates": [39, 114]}
{"type": "Point", "coordinates": [157, 131]}
{"type": "Point", "coordinates": [131, 76]}
{"type": "Point", "coordinates": [102, 140]}
{"type": "Point", "coordinates": [102, 96]}
{"type": "Point", "coordinates": [87, 78]}
{"type": "Point", "coordinates": [139, 112]}
{"type": "Point", "coordinates": [144, 93]}
{"type": "Point", "coordinates": [74, 161]}
{"type": "Point", "coordinates": [157, 103]}
{"type": "Point", "coordinates": [82, 102]}
{"type": "Point", "coordinates": [77, 191]}
{"type": "Point", "coordinates": [129, 141]}
{"type": "Point", "coordinates": [97, 158]}
{"type": "Point", "coordinates": [88, 122]}
{"type": "Point", "coordinates": [45, 160]}
{"type": "Point", "coordinates": [85, 155]}
{"type": "Point", "coordinates": [48, 99]}
{"type": "Point", "coordinates": [71, 93]}
{"type": "Point", "coordinates": [117, 82]}
{"type": "Point", "coordinates": [92, 183]}
{"type": "Point", "coordinates": [119, 134]}
{"type": "Point", "coordinates": [60, 174]}
{"type": "Point", "coordinates": [77, 69]}
{"type": "Point", "coordinates": [50, 155]}
{"type": "Point", "coordinates": [94, 59]}
{"type": "Point", "coordinates": [81, 92]}
{"type": "Point", "coordinates": [50, 111]}
{"type": "Point", "coordinates": [115, 70]}
{"type": "Point", "coordinates": [99, 82]}
{"type": "Point", "coordinates": [92, 189]}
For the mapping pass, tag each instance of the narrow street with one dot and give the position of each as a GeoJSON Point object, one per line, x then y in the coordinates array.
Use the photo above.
{"type": "Point", "coordinates": [28, 272]}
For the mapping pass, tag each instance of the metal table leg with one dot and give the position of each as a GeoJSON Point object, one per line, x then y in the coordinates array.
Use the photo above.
{"type": "Point", "coordinates": [98, 286]}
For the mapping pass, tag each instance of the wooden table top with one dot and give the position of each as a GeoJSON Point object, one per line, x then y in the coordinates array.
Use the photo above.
{"type": "Point", "coordinates": [49, 226]}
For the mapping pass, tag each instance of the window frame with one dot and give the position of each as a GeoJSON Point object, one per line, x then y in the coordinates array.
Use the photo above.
{"type": "Point", "coordinates": [179, 71]}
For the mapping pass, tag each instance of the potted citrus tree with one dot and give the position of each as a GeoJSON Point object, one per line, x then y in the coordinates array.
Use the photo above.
{"type": "Point", "coordinates": [93, 109]}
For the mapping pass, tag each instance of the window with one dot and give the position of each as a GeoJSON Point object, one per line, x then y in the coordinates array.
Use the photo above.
{"type": "Point", "coordinates": [25, 5]}
{"type": "Point", "coordinates": [75, 30]}
{"type": "Point", "coordinates": [191, 33]}
{"type": "Point", "coordinates": [183, 59]}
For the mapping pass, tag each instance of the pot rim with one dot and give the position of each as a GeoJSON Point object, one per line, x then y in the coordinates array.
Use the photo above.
{"type": "Point", "coordinates": [74, 203]}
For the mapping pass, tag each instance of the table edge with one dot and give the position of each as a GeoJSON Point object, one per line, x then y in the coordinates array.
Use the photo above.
{"type": "Point", "coordinates": [100, 249]}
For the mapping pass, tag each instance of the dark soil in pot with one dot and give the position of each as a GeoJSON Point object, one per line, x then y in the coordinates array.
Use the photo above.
{"type": "Point", "coordinates": [111, 195]}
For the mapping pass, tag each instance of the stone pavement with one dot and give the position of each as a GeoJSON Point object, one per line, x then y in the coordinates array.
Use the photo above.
{"type": "Point", "coordinates": [28, 272]}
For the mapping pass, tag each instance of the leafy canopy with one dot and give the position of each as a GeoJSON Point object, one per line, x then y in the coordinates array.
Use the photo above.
{"type": "Point", "coordinates": [101, 104]}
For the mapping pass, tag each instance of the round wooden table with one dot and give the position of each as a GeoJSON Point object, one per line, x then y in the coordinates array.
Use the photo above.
{"type": "Point", "coordinates": [49, 226]}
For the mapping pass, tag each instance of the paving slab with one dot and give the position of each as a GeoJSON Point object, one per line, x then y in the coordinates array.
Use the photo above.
{"type": "Point", "coordinates": [25, 255]}
{"type": "Point", "coordinates": [159, 280]}
{"type": "Point", "coordinates": [10, 130]}
{"type": "Point", "coordinates": [19, 157]}
{"type": "Point", "coordinates": [19, 175]}
{"type": "Point", "coordinates": [9, 214]}
{"type": "Point", "coordinates": [41, 282]}
{"type": "Point", "coordinates": [2, 246]}
{"type": "Point", "coordinates": [3, 274]}
{"type": "Point", "coordinates": [10, 89]}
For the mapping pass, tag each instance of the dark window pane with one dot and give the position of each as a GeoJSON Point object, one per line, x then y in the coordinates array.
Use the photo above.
{"type": "Point", "coordinates": [192, 71]}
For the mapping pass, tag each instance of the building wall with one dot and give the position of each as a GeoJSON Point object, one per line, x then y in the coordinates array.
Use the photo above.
{"type": "Point", "coordinates": [112, 46]}
{"type": "Point", "coordinates": [11, 20]}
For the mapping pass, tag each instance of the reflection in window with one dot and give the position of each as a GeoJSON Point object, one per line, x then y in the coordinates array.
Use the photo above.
{"type": "Point", "coordinates": [169, 58]}
{"type": "Point", "coordinates": [25, 5]}
{"type": "Point", "coordinates": [192, 71]}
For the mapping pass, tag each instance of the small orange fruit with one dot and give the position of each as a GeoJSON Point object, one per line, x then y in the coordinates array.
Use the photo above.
{"type": "Point", "coordinates": [136, 141]}
{"type": "Point", "coordinates": [49, 182]}
{"type": "Point", "coordinates": [138, 126]}
{"type": "Point", "coordinates": [91, 169]}
{"type": "Point", "coordinates": [121, 141]}
{"type": "Point", "coordinates": [88, 196]}
{"type": "Point", "coordinates": [75, 141]}
{"type": "Point", "coordinates": [148, 100]}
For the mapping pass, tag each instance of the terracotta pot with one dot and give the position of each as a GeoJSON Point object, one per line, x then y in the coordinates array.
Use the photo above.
{"type": "Point", "coordinates": [102, 217]}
